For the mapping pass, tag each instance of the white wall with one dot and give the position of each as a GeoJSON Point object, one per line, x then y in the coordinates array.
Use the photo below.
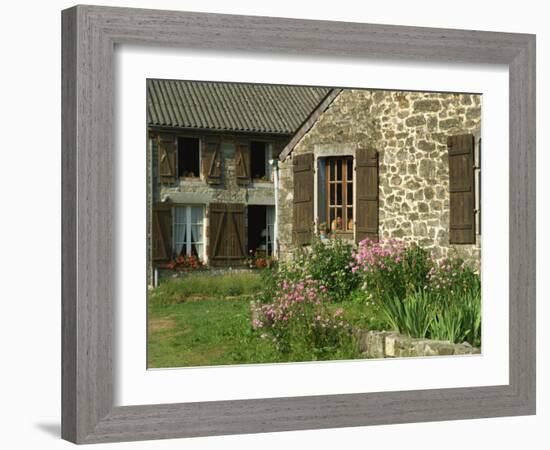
{"type": "Point", "coordinates": [30, 225]}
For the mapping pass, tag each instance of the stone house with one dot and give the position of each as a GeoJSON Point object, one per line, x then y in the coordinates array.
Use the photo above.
{"type": "Point", "coordinates": [240, 168]}
{"type": "Point", "coordinates": [385, 164]}
{"type": "Point", "coordinates": [212, 177]}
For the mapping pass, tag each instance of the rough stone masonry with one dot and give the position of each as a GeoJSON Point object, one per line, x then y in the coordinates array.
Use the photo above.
{"type": "Point", "coordinates": [409, 130]}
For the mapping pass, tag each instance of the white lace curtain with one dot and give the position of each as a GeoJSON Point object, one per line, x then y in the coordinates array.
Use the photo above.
{"type": "Point", "coordinates": [187, 232]}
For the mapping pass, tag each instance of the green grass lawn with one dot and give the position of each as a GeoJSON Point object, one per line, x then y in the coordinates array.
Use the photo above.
{"type": "Point", "coordinates": [196, 333]}
{"type": "Point", "coordinates": [204, 319]}
{"type": "Point", "coordinates": [206, 285]}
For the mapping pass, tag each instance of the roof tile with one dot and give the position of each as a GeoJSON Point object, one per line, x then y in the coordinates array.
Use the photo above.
{"type": "Point", "coordinates": [260, 108]}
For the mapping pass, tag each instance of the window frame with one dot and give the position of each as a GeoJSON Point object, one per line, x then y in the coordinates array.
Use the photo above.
{"type": "Point", "coordinates": [188, 242]}
{"type": "Point", "coordinates": [268, 157]}
{"type": "Point", "coordinates": [347, 160]}
{"type": "Point", "coordinates": [188, 136]}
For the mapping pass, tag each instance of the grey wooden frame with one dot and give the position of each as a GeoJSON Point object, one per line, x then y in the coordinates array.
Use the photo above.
{"type": "Point", "coordinates": [89, 36]}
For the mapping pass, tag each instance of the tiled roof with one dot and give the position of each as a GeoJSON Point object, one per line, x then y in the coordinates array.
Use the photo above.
{"type": "Point", "coordinates": [260, 108]}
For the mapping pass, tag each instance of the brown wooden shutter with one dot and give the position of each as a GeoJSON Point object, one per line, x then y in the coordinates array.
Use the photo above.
{"type": "Point", "coordinates": [211, 161]}
{"type": "Point", "coordinates": [226, 239]}
{"type": "Point", "coordinates": [303, 198]}
{"type": "Point", "coordinates": [167, 152]}
{"type": "Point", "coordinates": [161, 233]}
{"type": "Point", "coordinates": [461, 189]}
{"type": "Point", "coordinates": [366, 179]}
{"type": "Point", "coordinates": [242, 162]}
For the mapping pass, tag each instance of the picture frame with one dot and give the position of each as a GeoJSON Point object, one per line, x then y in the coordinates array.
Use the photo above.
{"type": "Point", "coordinates": [90, 34]}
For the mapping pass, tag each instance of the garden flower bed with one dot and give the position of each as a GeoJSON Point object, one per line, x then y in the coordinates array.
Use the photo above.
{"type": "Point", "coordinates": [331, 301]}
{"type": "Point", "coordinates": [400, 286]}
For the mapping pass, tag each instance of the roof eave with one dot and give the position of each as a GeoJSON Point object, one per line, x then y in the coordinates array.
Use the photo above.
{"type": "Point", "coordinates": [158, 127]}
{"type": "Point", "coordinates": [309, 122]}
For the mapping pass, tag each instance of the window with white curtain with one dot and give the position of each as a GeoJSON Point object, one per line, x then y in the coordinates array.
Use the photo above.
{"type": "Point", "coordinates": [188, 230]}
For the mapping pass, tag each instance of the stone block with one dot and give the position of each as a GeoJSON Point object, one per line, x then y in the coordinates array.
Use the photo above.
{"type": "Point", "coordinates": [452, 122]}
{"type": "Point", "coordinates": [428, 105]}
{"type": "Point", "coordinates": [426, 146]}
{"type": "Point", "coordinates": [427, 168]}
{"type": "Point", "coordinates": [415, 121]}
{"type": "Point", "coordinates": [473, 113]}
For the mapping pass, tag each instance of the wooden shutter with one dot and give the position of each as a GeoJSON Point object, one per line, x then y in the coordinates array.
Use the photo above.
{"type": "Point", "coordinates": [242, 162]}
{"type": "Point", "coordinates": [303, 198]}
{"type": "Point", "coordinates": [226, 239]}
{"type": "Point", "coordinates": [461, 189]}
{"type": "Point", "coordinates": [161, 233]}
{"type": "Point", "coordinates": [366, 179]}
{"type": "Point", "coordinates": [211, 161]}
{"type": "Point", "coordinates": [167, 151]}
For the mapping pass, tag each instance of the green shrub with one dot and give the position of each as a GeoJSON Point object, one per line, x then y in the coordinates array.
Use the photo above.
{"type": "Point", "coordinates": [452, 276]}
{"type": "Point", "coordinates": [411, 315]}
{"type": "Point", "coordinates": [391, 268]}
{"type": "Point", "coordinates": [457, 317]}
{"type": "Point", "coordinates": [450, 317]}
{"type": "Point", "coordinates": [329, 262]}
{"type": "Point", "coordinates": [300, 324]}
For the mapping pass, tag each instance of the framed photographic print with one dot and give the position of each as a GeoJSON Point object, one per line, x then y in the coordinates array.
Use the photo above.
{"type": "Point", "coordinates": [263, 229]}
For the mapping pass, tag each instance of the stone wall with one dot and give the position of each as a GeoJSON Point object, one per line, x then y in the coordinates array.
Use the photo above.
{"type": "Point", "coordinates": [198, 191]}
{"type": "Point", "coordinates": [409, 129]}
{"type": "Point", "coordinates": [388, 344]}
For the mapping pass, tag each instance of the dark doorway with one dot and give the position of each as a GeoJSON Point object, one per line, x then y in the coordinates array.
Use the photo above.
{"type": "Point", "coordinates": [260, 229]}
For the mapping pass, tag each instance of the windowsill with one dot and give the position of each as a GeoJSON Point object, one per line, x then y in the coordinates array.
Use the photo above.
{"type": "Point", "coordinates": [339, 234]}
{"type": "Point", "coordinates": [257, 183]}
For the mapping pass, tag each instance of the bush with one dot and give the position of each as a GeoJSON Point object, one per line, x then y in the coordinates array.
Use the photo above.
{"type": "Point", "coordinates": [418, 296]}
{"type": "Point", "coordinates": [411, 315]}
{"type": "Point", "coordinates": [329, 263]}
{"type": "Point", "coordinates": [457, 317]}
{"type": "Point", "coordinates": [427, 313]}
{"type": "Point", "coordinates": [301, 326]}
{"type": "Point", "coordinates": [391, 268]}
{"type": "Point", "coordinates": [452, 276]}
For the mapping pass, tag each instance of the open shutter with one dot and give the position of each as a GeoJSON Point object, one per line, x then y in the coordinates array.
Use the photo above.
{"type": "Point", "coordinates": [242, 162]}
{"type": "Point", "coordinates": [227, 246]}
{"type": "Point", "coordinates": [303, 198]}
{"type": "Point", "coordinates": [366, 179]}
{"type": "Point", "coordinates": [211, 161]}
{"type": "Point", "coordinates": [161, 235]}
{"type": "Point", "coordinates": [167, 169]}
{"type": "Point", "coordinates": [461, 189]}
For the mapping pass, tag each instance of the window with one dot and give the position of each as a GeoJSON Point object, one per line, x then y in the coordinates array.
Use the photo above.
{"type": "Point", "coordinates": [339, 194]}
{"type": "Point", "coordinates": [260, 156]}
{"type": "Point", "coordinates": [261, 229]}
{"type": "Point", "coordinates": [188, 157]}
{"type": "Point", "coordinates": [187, 230]}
